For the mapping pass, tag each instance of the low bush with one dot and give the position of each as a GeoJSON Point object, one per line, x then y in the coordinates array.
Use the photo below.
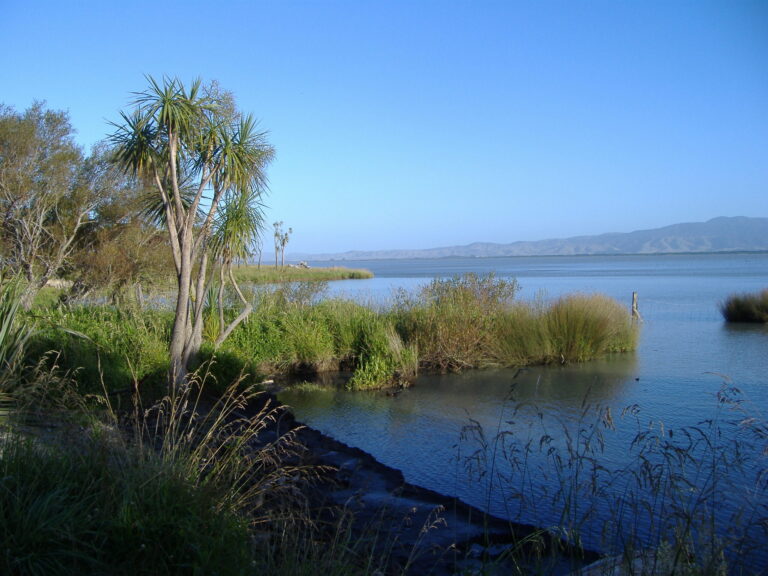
{"type": "Point", "coordinates": [746, 308]}
{"type": "Point", "coordinates": [450, 321]}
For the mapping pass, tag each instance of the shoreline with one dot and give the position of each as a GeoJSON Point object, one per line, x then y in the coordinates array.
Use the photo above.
{"type": "Point", "coordinates": [429, 532]}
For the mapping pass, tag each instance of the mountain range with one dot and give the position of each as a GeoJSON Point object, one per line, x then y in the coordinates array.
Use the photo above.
{"type": "Point", "coordinates": [723, 234]}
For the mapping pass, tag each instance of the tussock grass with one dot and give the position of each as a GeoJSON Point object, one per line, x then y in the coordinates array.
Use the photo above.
{"type": "Point", "coordinates": [746, 308]}
{"type": "Point", "coordinates": [581, 327]}
{"type": "Point", "coordinates": [180, 487]}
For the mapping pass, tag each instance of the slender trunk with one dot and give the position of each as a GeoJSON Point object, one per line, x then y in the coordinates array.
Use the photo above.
{"type": "Point", "coordinates": [221, 298]}
{"type": "Point", "coordinates": [247, 309]}
{"type": "Point", "coordinates": [139, 296]}
{"type": "Point", "coordinates": [181, 327]}
{"type": "Point", "coordinates": [195, 335]}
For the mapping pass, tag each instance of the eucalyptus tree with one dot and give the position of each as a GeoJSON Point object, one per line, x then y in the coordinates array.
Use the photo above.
{"type": "Point", "coordinates": [201, 156]}
{"type": "Point", "coordinates": [47, 194]}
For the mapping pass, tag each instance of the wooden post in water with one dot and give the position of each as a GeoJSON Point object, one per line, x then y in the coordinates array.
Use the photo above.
{"type": "Point", "coordinates": [635, 309]}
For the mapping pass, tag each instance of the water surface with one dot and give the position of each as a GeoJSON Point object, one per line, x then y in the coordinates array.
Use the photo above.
{"type": "Point", "coordinates": [686, 356]}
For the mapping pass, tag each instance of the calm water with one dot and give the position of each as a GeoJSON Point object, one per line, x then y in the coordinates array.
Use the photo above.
{"type": "Point", "coordinates": [685, 356]}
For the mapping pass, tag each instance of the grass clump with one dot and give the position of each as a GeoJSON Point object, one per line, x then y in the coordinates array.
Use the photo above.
{"type": "Point", "coordinates": [746, 308]}
{"type": "Point", "coordinates": [471, 322]}
{"type": "Point", "coordinates": [581, 327]}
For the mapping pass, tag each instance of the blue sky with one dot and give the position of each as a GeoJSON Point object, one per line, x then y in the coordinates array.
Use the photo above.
{"type": "Point", "coordinates": [417, 124]}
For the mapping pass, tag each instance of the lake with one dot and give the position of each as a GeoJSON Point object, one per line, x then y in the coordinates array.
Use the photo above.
{"type": "Point", "coordinates": [507, 441]}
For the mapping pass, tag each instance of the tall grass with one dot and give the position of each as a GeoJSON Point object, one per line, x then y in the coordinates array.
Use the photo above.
{"type": "Point", "coordinates": [693, 501]}
{"type": "Point", "coordinates": [181, 487]}
{"type": "Point", "coordinates": [451, 320]}
{"type": "Point", "coordinates": [452, 324]}
{"type": "Point", "coordinates": [746, 308]}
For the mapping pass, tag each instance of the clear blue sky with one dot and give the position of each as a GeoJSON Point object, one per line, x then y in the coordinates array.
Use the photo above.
{"type": "Point", "coordinates": [416, 124]}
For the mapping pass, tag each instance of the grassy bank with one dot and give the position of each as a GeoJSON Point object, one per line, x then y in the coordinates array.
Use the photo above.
{"type": "Point", "coordinates": [450, 325]}
{"type": "Point", "coordinates": [746, 308]}
{"type": "Point", "coordinates": [265, 274]}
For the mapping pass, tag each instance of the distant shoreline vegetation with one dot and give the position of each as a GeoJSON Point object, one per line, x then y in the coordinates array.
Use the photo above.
{"type": "Point", "coordinates": [751, 308]}
{"type": "Point", "coordinates": [297, 273]}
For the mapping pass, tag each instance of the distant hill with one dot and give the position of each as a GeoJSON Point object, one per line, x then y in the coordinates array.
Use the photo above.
{"type": "Point", "coordinates": [717, 235]}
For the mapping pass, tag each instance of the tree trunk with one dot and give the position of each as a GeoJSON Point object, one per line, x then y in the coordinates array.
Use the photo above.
{"type": "Point", "coordinates": [181, 323]}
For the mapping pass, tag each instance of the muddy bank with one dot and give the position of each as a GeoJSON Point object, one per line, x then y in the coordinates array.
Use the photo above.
{"type": "Point", "coordinates": [426, 532]}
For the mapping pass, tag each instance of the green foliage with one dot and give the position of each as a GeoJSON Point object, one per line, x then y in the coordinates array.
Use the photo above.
{"type": "Point", "coordinates": [14, 333]}
{"type": "Point", "coordinates": [105, 344]}
{"type": "Point", "coordinates": [45, 194]}
{"type": "Point", "coordinates": [451, 325]}
{"type": "Point", "coordinates": [746, 308]}
{"type": "Point", "coordinates": [95, 509]}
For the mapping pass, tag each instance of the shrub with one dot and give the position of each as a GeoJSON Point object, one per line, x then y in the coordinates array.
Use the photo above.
{"type": "Point", "coordinates": [450, 321]}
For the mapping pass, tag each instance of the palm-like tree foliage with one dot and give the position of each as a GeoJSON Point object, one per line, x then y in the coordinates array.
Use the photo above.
{"type": "Point", "coordinates": [207, 163]}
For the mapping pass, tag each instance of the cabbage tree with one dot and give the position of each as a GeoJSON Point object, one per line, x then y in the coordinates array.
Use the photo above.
{"type": "Point", "coordinates": [202, 157]}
